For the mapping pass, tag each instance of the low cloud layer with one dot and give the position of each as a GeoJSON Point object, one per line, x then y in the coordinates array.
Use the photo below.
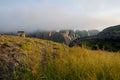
{"type": "Point", "coordinates": [58, 14]}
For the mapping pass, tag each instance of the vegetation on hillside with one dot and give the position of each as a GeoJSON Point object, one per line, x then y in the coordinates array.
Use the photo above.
{"type": "Point", "coordinates": [35, 59]}
{"type": "Point", "coordinates": [113, 46]}
{"type": "Point", "coordinates": [108, 39]}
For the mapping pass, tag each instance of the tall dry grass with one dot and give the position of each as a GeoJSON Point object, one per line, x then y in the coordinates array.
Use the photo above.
{"type": "Point", "coordinates": [46, 60]}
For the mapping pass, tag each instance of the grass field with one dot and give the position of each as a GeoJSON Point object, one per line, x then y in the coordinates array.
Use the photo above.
{"type": "Point", "coordinates": [47, 60]}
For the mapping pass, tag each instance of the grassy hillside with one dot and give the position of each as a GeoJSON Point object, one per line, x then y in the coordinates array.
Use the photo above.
{"type": "Point", "coordinates": [35, 59]}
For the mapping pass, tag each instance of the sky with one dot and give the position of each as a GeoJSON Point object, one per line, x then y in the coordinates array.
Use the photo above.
{"type": "Point", "coordinates": [32, 15]}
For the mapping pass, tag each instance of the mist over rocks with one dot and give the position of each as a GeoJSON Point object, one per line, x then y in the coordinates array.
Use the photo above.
{"type": "Point", "coordinates": [62, 36]}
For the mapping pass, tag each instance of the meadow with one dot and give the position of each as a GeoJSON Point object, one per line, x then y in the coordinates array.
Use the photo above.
{"type": "Point", "coordinates": [47, 60]}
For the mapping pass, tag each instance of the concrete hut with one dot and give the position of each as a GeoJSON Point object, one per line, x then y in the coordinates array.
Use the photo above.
{"type": "Point", "coordinates": [21, 33]}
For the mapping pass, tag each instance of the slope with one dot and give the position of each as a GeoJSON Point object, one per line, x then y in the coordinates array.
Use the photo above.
{"type": "Point", "coordinates": [35, 59]}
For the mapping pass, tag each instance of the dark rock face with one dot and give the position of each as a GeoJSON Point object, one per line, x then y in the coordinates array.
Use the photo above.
{"type": "Point", "coordinates": [43, 35]}
{"type": "Point", "coordinates": [57, 37]}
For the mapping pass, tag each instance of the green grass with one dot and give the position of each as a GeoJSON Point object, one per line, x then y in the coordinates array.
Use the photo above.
{"type": "Point", "coordinates": [25, 46]}
{"type": "Point", "coordinates": [38, 63]}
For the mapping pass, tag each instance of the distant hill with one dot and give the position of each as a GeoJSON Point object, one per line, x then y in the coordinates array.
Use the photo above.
{"type": "Point", "coordinates": [112, 32]}
{"type": "Point", "coordinates": [108, 39]}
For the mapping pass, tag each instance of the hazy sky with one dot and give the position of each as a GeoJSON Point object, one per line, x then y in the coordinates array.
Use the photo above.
{"type": "Point", "coordinates": [58, 14]}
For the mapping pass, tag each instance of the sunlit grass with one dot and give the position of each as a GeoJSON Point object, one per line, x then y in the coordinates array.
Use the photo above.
{"type": "Point", "coordinates": [46, 60]}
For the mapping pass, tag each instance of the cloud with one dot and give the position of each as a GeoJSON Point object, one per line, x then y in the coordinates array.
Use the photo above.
{"type": "Point", "coordinates": [58, 14]}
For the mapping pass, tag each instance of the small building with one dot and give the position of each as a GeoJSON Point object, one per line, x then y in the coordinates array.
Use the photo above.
{"type": "Point", "coordinates": [21, 33]}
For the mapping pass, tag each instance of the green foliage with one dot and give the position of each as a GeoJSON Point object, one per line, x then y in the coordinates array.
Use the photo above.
{"type": "Point", "coordinates": [101, 44]}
